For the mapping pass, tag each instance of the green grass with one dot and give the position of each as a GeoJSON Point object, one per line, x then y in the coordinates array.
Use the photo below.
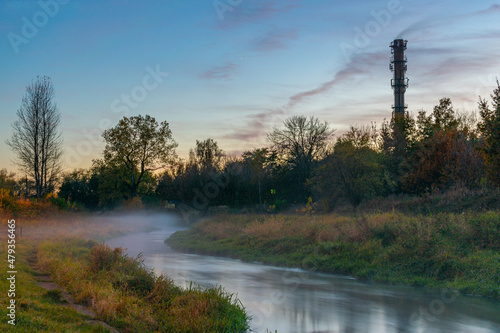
{"type": "Point", "coordinates": [119, 289]}
{"type": "Point", "coordinates": [36, 309]}
{"type": "Point", "coordinates": [128, 296]}
{"type": "Point", "coordinates": [459, 251]}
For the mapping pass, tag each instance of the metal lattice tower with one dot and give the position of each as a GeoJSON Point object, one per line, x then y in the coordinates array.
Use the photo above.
{"type": "Point", "coordinates": [399, 83]}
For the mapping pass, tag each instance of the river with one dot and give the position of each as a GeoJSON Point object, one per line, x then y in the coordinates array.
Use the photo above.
{"type": "Point", "coordinates": [293, 300]}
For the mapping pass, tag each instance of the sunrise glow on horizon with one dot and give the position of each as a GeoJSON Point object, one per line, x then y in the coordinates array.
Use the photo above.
{"type": "Point", "coordinates": [231, 70]}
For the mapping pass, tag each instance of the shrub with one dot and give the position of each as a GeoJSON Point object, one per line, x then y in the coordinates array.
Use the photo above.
{"type": "Point", "coordinates": [103, 258]}
{"type": "Point", "coordinates": [60, 203]}
{"type": "Point", "coordinates": [133, 204]}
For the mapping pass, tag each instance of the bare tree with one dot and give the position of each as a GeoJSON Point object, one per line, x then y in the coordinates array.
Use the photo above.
{"type": "Point", "coordinates": [301, 142]}
{"type": "Point", "coordinates": [36, 140]}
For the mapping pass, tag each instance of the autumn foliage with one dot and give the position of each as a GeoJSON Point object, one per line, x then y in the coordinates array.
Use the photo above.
{"type": "Point", "coordinates": [416, 154]}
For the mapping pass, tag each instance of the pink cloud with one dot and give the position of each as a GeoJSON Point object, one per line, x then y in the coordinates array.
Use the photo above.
{"type": "Point", "coordinates": [274, 40]}
{"type": "Point", "coordinates": [254, 12]}
{"type": "Point", "coordinates": [256, 127]}
{"type": "Point", "coordinates": [359, 65]}
{"type": "Point", "coordinates": [220, 72]}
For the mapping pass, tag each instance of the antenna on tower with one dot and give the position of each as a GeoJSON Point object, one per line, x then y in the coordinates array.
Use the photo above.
{"type": "Point", "coordinates": [399, 82]}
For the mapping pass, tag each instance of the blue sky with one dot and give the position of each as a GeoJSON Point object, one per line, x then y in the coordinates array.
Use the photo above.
{"type": "Point", "coordinates": [233, 69]}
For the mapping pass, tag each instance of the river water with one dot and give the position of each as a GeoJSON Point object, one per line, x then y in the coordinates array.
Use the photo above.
{"type": "Point", "coordinates": [293, 300]}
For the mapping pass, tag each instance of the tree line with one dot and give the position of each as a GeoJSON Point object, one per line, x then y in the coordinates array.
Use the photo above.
{"type": "Point", "coordinates": [303, 160]}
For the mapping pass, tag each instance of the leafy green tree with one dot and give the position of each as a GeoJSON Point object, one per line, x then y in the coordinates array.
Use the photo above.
{"type": "Point", "coordinates": [257, 161]}
{"type": "Point", "coordinates": [206, 161]}
{"type": "Point", "coordinates": [166, 188]}
{"type": "Point", "coordinates": [113, 188]}
{"type": "Point", "coordinates": [397, 142]}
{"type": "Point", "coordinates": [81, 186]}
{"type": "Point", "coordinates": [445, 117]}
{"type": "Point", "coordinates": [490, 131]}
{"type": "Point", "coordinates": [197, 181]}
{"type": "Point", "coordinates": [238, 187]}
{"type": "Point", "coordinates": [140, 145]}
{"type": "Point", "coordinates": [353, 171]}
{"type": "Point", "coordinates": [207, 155]}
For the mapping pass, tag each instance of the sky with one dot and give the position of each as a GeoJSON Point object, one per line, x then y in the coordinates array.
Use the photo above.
{"type": "Point", "coordinates": [231, 70]}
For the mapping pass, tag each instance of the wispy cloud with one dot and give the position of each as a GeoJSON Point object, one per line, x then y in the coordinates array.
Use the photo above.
{"type": "Point", "coordinates": [220, 72]}
{"type": "Point", "coordinates": [256, 126]}
{"type": "Point", "coordinates": [274, 40]}
{"type": "Point", "coordinates": [435, 21]}
{"type": "Point", "coordinates": [359, 65]}
{"type": "Point", "coordinates": [473, 68]}
{"type": "Point", "coordinates": [492, 9]}
{"type": "Point", "coordinates": [419, 26]}
{"type": "Point", "coordinates": [255, 12]}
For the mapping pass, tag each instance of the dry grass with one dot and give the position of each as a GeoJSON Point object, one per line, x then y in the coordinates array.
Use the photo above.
{"type": "Point", "coordinates": [119, 289]}
{"type": "Point", "coordinates": [317, 228]}
{"type": "Point", "coordinates": [454, 250]}
{"type": "Point", "coordinates": [122, 292]}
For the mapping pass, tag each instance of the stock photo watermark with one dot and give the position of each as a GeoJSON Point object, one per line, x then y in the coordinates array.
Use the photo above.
{"type": "Point", "coordinates": [435, 308]}
{"type": "Point", "coordinates": [11, 271]}
{"type": "Point", "coordinates": [292, 280]}
{"type": "Point", "coordinates": [201, 200]}
{"type": "Point", "coordinates": [122, 105]}
{"type": "Point", "coordinates": [363, 36]}
{"type": "Point", "coordinates": [487, 84]}
{"type": "Point", "coordinates": [224, 6]}
{"type": "Point", "coordinates": [31, 26]}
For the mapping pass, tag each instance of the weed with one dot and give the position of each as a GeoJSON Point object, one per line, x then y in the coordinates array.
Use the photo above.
{"type": "Point", "coordinates": [54, 295]}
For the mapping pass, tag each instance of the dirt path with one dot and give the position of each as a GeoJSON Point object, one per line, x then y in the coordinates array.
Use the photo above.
{"type": "Point", "coordinates": [45, 281]}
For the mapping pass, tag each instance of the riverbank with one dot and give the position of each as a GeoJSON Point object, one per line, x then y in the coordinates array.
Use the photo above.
{"type": "Point", "coordinates": [456, 251]}
{"type": "Point", "coordinates": [119, 290]}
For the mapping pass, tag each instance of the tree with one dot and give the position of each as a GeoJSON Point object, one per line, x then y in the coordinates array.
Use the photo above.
{"type": "Point", "coordinates": [444, 153]}
{"type": "Point", "coordinates": [445, 159]}
{"type": "Point", "coordinates": [8, 181]}
{"type": "Point", "coordinates": [141, 145]}
{"type": "Point", "coordinates": [490, 130]}
{"type": "Point", "coordinates": [36, 140]}
{"type": "Point", "coordinates": [397, 141]}
{"type": "Point", "coordinates": [207, 155]}
{"type": "Point", "coordinates": [256, 160]}
{"type": "Point", "coordinates": [300, 144]}
{"type": "Point", "coordinates": [113, 187]}
{"type": "Point", "coordinates": [81, 186]}
{"type": "Point", "coordinates": [353, 171]}
{"type": "Point", "coordinates": [445, 117]}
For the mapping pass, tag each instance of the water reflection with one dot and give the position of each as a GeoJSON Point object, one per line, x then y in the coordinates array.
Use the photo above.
{"type": "Point", "coordinates": [292, 300]}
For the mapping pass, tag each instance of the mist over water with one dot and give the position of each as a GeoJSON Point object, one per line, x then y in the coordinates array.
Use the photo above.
{"type": "Point", "coordinates": [293, 300]}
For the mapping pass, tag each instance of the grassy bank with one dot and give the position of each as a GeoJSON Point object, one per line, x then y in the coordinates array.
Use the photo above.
{"type": "Point", "coordinates": [119, 289]}
{"type": "Point", "coordinates": [36, 310]}
{"type": "Point", "coordinates": [125, 294]}
{"type": "Point", "coordinates": [459, 251]}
